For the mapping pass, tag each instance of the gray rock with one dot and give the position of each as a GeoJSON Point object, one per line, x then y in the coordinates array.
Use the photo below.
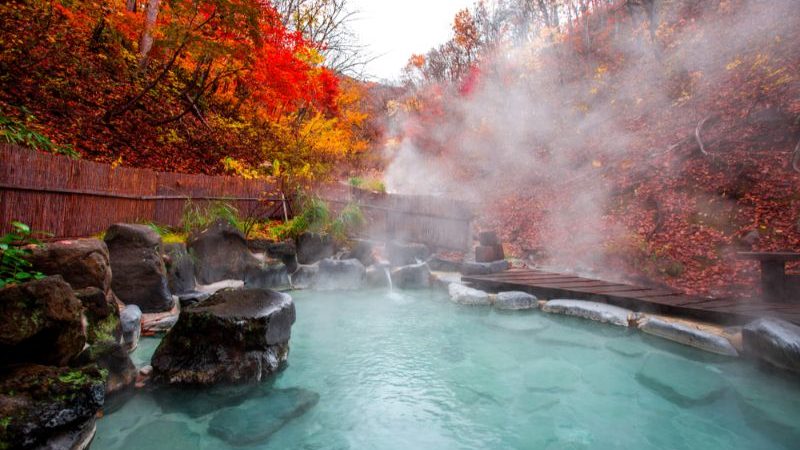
{"type": "Point", "coordinates": [402, 254]}
{"type": "Point", "coordinates": [444, 265]}
{"type": "Point", "coordinates": [313, 247]}
{"type": "Point", "coordinates": [377, 276]}
{"type": "Point", "coordinates": [190, 298]}
{"type": "Point", "coordinates": [220, 253]}
{"type": "Point", "coordinates": [599, 312]}
{"type": "Point", "coordinates": [255, 421]}
{"type": "Point", "coordinates": [236, 336]}
{"type": "Point", "coordinates": [345, 274]}
{"type": "Point", "coordinates": [475, 268]}
{"type": "Point", "coordinates": [140, 277]}
{"type": "Point", "coordinates": [685, 383]}
{"type": "Point", "coordinates": [180, 269]}
{"type": "Point", "coordinates": [687, 335]}
{"type": "Point", "coordinates": [417, 276]}
{"type": "Point", "coordinates": [305, 276]}
{"type": "Point", "coordinates": [131, 320]}
{"type": "Point", "coordinates": [40, 322]}
{"type": "Point", "coordinates": [361, 250]}
{"type": "Point", "coordinates": [774, 341]}
{"type": "Point", "coordinates": [467, 296]}
{"type": "Point", "coordinates": [78, 437]}
{"type": "Point", "coordinates": [515, 300]}
{"type": "Point", "coordinates": [83, 263]}
{"type": "Point", "coordinates": [267, 276]}
{"type": "Point", "coordinates": [286, 252]}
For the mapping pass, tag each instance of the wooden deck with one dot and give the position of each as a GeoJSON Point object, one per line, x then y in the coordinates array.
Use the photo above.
{"type": "Point", "coordinates": [546, 285]}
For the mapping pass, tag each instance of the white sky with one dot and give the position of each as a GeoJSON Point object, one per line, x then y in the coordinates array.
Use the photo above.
{"type": "Point", "coordinates": [393, 30]}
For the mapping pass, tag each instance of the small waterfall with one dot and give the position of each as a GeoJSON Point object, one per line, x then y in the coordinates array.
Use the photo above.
{"type": "Point", "coordinates": [388, 278]}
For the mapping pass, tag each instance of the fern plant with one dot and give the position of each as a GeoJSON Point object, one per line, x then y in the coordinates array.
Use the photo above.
{"type": "Point", "coordinates": [14, 251]}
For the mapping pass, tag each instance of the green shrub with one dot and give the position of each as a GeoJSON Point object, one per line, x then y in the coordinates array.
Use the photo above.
{"type": "Point", "coordinates": [14, 250]}
{"type": "Point", "coordinates": [14, 132]}
{"type": "Point", "coordinates": [197, 217]}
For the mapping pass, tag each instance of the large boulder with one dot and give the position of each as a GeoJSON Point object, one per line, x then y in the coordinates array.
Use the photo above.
{"type": "Point", "coordinates": [465, 295]}
{"type": "Point", "coordinates": [514, 300]}
{"type": "Point", "coordinates": [774, 341]}
{"type": "Point", "coordinates": [378, 276]}
{"type": "Point", "coordinates": [340, 274]}
{"type": "Point", "coordinates": [83, 263]}
{"type": "Point", "coordinates": [313, 247]}
{"type": "Point", "coordinates": [483, 268]}
{"type": "Point", "coordinates": [236, 336]}
{"type": "Point", "coordinates": [305, 276]}
{"type": "Point", "coordinates": [403, 254]}
{"type": "Point", "coordinates": [686, 334]}
{"type": "Point", "coordinates": [112, 357]}
{"type": "Point", "coordinates": [102, 315]}
{"type": "Point", "coordinates": [140, 277]}
{"type": "Point", "coordinates": [131, 320]}
{"type": "Point", "coordinates": [361, 250]}
{"type": "Point", "coordinates": [180, 269]}
{"type": "Point", "coordinates": [416, 276]}
{"type": "Point", "coordinates": [49, 407]}
{"type": "Point", "coordinates": [220, 253]}
{"type": "Point", "coordinates": [285, 251]}
{"type": "Point", "coordinates": [267, 276]}
{"type": "Point", "coordinates": [40, 322]}
{"type": "Point", "coordinates": [599, 312]}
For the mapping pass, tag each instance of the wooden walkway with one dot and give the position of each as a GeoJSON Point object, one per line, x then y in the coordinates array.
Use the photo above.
{"type": "Point", "coordinates": [548, 285]}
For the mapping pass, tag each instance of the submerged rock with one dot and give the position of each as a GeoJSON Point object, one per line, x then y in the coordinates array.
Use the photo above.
{"type": "Point", "coordinates": [40, 322]}
{"type": "Point", "coordinates": [41, 405]}
{"type": "Point", "coordinates": [682, 382]}
{"type": "Point", "coordinates": [220, 253]}
{"type": "Point", "coordinates": [180, 270]}
{"type": "Point", "coordinates": [467, 296]}
{"type": "Point", "coordinates": [514, 300]}
{"type": "Point", "coordinates": [140, 277]}
{"type": "Point", "coordinates": [483, 268]}
{"type": "Point", "coordinates": [161, 433]}
{"type": "Point", "coordinates": [402, 254]}
{"type": "Point", "coordinates": [234, 336]}
{"type": "Point", "coordinates": [417, 276]}
{"type": "Point", "coordinates": [774, 341]}
{"type": "Point", "coordinates": [344, 274]}
{"type": "Point", "coordinates": [313, 247]}
{"type": "Point", "coordinates": [599, 312]}
{"type": "Point", "coordinates": [686, 334]}
{"type": "Point", "coordinates": [255, 421]}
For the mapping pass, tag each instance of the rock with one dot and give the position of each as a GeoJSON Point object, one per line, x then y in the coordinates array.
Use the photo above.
{"type": "Point", "coordinates": [378, 276]}
{"type": "Point", "coordinates": [553, 376]}
{"type": "Point", "coordinates": [313, 247]}
{"type": "Point", "coordinates": [514, 300]}
{"type": "Point", "coordinates": [267, 276]}
{"type": "Point", "coordinates": [234, 336]}
{"type": "Point", "coordinates": [685, 383]}
{"type": "Point", "coordinates": [488, 238]}
{"type": "Point", "coordinates": [774, 341]}
{"type": "Point", "coordinates": [40, 322]}
{"type": "Point", "coordinates": [140, 277]}
{"type": "Point", "coordinates": [305, 276]}
{"type": "Point", "coordinates": [180, 270]}
{"type": "Point", "coordinates": [78, 438]}
{"type": "Point", "coordinates": [114, 358]}
{"type": "Point", "coordinates": [685, 334]}
{"type": "Point", "coordinates": [417, 276]}
{"type": "Point", "coordinates": [220, 253]}
{"type": "Point", "coordinates": [40, 404]}
{"type": "Point", "coordinates": [162, 433]}
{"type": "Point", "coordinates": [485, 254]}
{"type": "Point", "coordinates": [467, 296]}
{"type": "Point", "coordinates": [345, 274]}
{"type": "Point", "coordinates": [767, 408]}
{"type": "Point", "coordinates": [444, 265]}
{"type": "Point", "coordinates": [102, 315]}
{"type": "Point", "coordinates": [286, 252]}
{"type": "Point", "coordinates": [190, 298]}
{"type": "Point", "coordinates": [255, 421]}
{"type": "Point", "coordinates": [442, 280]}
{"type": "Point", "coordinates": [476, 268]}
{"type": "Point", "coordinates": [599, 312]}
{"type": "Point", "coordinates": [402, 254]}
{"type": "Point", "coordinates": [83, 263]}
{"type": "Point", "coordinates": [361, 250]}
{"type": "Point", "coordinates": [131, 321]}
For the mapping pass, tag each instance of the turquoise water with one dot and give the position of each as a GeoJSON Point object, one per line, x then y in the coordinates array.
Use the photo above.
{"type": "Point", "coordinates": [369, 370]}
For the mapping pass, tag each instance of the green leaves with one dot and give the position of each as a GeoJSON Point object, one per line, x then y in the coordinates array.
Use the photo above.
{"type": "Point", "coordinates": [14, 250]}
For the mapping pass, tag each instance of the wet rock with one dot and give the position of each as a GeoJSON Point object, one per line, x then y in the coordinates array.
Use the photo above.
{"type": "Point", "coordinates": [44, 403]}
{"type": "Point", "coordinates": [220, 253]}
{"type": "Point", "coordinates": [361, 250]}
{"type": "Point", "coordinates": [313, 247]}
{"type": "Point", "coordinates": [467, 296]}
{"type": "Point", "coordinates": [190, 298]}
{"type": "Point", "coordinates": [267, 276]}
{"type": "Point", "coordinates": [40, 322]}
{"type": "Point", "coordinates": [378, 276]}
{"type": "Point", "coordinates": [682, 382]}
{"type": "Point", "coordinates": [774, 341]}
{"type": "Point", "coordinates": [83, 263]}
{"type": "Point", "coordinates": [140, 277]}
{"type": "Point", "coordinates": [114, 358]}
{"type": "Point", "coordinates": [234, 336]}
{"type": "Point", "coordinates": [402, 254]}
{"type": "Point", "coordinates": [686, 334]}
{"type": "Point", "coordinates": [180, 270]}
{"type": "Point", "coordinates": [417, 276]}
{"type": "Point", "coordinates": [131, 320]}
{"type": "Point", "coordinates": [515, 300]}
{"type": "Point", "coordinates": [476, 268]}
{"type": "Point", "coordinates": [444, 265]}
{"type": "Point", "coordinates": [599, 312]}
{"type": "Point", "coordinates": [102, 315]}
{"type": "Point", "coordinates": [345, 274]}
{"type": "Point", "coordinates": [442, 280]}
{"type": "Point", "coordinates": [285, 251]}
{"type": "Point", "coordinates": [255, 421]}
{"type": "Point", "coordinates": [77, 438]}
{"type": "Point", "coordinates": [305, 276]}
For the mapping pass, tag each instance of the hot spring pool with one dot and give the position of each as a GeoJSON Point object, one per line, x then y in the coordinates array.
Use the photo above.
{"type": "Point", "coordinates": [414, 371]}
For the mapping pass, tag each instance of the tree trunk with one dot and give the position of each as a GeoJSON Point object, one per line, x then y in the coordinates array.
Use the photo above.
{"type": "Point", "coordinates": [130, 5]}
{"type": "Point", "coordinates": [146, 43]}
